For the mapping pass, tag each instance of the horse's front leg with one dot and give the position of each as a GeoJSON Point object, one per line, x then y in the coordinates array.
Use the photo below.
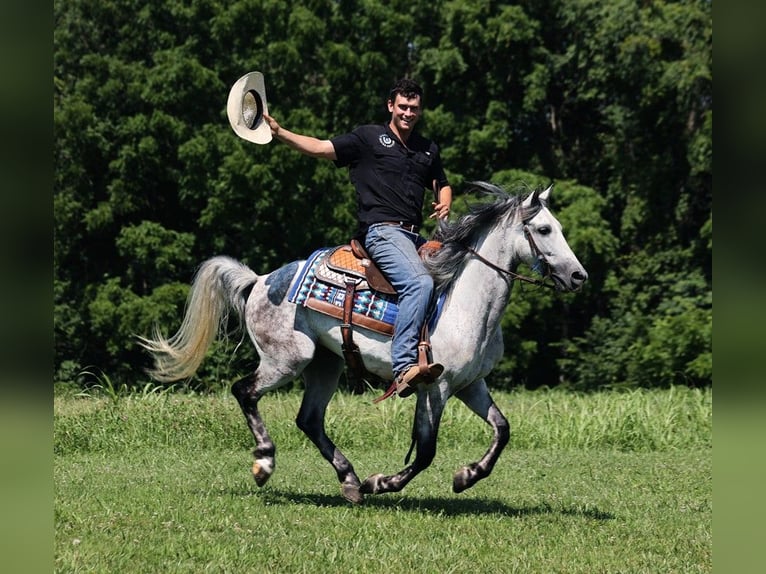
{"type": "Point", "coordinates": [476, 396]}
{"type": "Point", "coordinates": [428, 412]}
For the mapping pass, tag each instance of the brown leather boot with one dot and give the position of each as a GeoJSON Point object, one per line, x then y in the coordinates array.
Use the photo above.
{"type": "Point", "coordinates": [408, 379]}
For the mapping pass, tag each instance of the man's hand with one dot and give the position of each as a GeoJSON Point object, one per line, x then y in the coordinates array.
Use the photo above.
{"type": "Point", "coordinates": [441, 210]}
{"type": "Point", "coordinates": [272, 124]}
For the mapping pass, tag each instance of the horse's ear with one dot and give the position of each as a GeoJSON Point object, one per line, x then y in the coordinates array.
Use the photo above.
{"type": "Point", "coordinates": [532, 199]}
{"type": "Point", "coordinates": [544, 195]}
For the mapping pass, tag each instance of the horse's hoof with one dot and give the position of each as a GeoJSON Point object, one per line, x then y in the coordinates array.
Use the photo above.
{"type": "Point", "coordinates": [459, 484]}
{"type": "Point", "coordinates": [352, 493]}
{"type": "Point", "coordinates": [371, 484]}
{"type": "Point", "coordinates": [463, 479]}
{"type": "Point", "coordinates": [262, 472]}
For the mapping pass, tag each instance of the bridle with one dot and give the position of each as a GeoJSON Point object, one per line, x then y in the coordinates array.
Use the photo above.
{"type": "Point", "coordinates": [516, 276]}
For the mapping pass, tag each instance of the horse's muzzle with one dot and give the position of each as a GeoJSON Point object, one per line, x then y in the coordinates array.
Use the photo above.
{"type": "Point", "coordinates": [572, 283]}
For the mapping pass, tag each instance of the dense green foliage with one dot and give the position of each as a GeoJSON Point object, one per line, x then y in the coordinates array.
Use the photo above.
{"type": "Point", "coordinates": [612, 99]}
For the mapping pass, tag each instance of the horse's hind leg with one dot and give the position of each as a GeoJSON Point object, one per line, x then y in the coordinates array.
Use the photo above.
{"type": "Point", "coordinates": [248, 391]}
{"type": "Point", "coordinates": [321, 378]}
{"type": "Point", "coordinates": [476, 396]}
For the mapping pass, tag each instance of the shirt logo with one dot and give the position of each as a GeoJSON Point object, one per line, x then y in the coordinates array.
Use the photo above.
{"type": "Point", "coordinates": [385, 140]}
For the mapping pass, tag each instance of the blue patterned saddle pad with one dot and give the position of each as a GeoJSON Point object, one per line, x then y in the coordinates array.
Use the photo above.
{"type": "Point", "coordinates": [372, 309]}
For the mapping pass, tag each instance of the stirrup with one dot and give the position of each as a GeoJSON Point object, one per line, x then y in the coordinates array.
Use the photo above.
{"type": "Point", "coordinates": [416, 374]}
{"type": "Point", "coordinates": [404, 384]}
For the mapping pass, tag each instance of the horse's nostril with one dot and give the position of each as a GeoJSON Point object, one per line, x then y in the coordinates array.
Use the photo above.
{"type": "Point", "coordinates": [579, 276]}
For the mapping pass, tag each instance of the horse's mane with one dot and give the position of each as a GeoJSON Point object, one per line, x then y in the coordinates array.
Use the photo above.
{"type": "Point", "coordinates": [445, 263]}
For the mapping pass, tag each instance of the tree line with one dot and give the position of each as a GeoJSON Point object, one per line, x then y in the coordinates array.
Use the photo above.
{"type": "Point", "coordinates": [609, 99]}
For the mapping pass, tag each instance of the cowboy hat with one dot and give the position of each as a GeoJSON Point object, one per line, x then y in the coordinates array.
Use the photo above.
{"type": "Point", "coordinates": [246, 106]}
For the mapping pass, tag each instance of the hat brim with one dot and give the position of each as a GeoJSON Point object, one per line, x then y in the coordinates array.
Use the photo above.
{"type": "Point", "coordinates": [246, 106]}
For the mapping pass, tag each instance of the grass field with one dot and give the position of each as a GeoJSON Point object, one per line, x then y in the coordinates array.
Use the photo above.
{"type": "Point", "coordinates": [609, 482]}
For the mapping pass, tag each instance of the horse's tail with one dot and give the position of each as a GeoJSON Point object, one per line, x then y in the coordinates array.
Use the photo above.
{"type": "Point", "coordinates": [220, 285]}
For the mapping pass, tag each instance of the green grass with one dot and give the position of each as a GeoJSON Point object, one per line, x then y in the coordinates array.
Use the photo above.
{"type": "Point", "coordinates": [611, 482]}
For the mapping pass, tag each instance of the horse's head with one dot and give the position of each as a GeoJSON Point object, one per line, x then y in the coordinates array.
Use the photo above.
{"type": "Point", "coordinates": [548, 251]}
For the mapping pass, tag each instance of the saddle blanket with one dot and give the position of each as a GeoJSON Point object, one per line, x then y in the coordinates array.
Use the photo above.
{"type": "Point", "coordinates": [372, 309]}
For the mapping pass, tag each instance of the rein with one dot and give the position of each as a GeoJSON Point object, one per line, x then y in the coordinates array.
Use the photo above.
{"type": "Point", "coordinates": [511, 274]}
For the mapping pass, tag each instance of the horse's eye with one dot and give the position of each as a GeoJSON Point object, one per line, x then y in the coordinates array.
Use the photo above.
{"type": "Point", "coordinates": [544, 229]}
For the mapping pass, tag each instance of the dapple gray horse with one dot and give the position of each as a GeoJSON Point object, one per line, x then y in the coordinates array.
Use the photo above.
{"type": "Point", "coordinates": [475, 267]}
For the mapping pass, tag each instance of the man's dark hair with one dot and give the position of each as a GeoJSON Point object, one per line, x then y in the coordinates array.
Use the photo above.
{"type": "Point", "coordinates": [406, 88]}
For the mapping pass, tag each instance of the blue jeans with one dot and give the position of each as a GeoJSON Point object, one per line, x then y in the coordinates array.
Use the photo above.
{"type": "Point", "coordinates": [395, 251]}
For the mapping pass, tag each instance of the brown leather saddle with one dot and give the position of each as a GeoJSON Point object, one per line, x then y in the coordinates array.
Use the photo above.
{"type": "Point", "coordinates": [351, 262]}
{"type": "Point", "coordinates": [350, 267]}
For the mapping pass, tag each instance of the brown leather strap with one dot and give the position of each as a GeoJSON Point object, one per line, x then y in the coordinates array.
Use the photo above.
{"type": "Point", "coordinates": [388, 393]}
{"type": "Point", "coordinates": [424, 351]}
{"type": "Point", "coordinates": [358, 249]}
{"type": "Point", "coordinates": [355, 365]}
{"type": "Point", "coordinates": [348, 311]}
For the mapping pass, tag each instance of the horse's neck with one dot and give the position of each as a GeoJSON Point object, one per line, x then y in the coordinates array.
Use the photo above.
{"type": "Point", "coordinates": [480, 293]}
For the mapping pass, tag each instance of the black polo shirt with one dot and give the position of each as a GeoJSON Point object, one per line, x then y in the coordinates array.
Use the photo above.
{"type": "Point", "coordinates": [390, 178]}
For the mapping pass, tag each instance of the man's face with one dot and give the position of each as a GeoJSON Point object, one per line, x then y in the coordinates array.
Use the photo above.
{"type": "Point", "coordinates": [405, 112]}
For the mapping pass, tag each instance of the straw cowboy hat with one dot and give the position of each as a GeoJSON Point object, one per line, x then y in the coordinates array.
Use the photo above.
{"type": "Point", "coordinates": [246, 106]}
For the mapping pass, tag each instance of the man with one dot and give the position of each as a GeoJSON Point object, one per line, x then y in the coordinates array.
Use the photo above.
{"type": "Point", "coordinates": [391, 166]}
